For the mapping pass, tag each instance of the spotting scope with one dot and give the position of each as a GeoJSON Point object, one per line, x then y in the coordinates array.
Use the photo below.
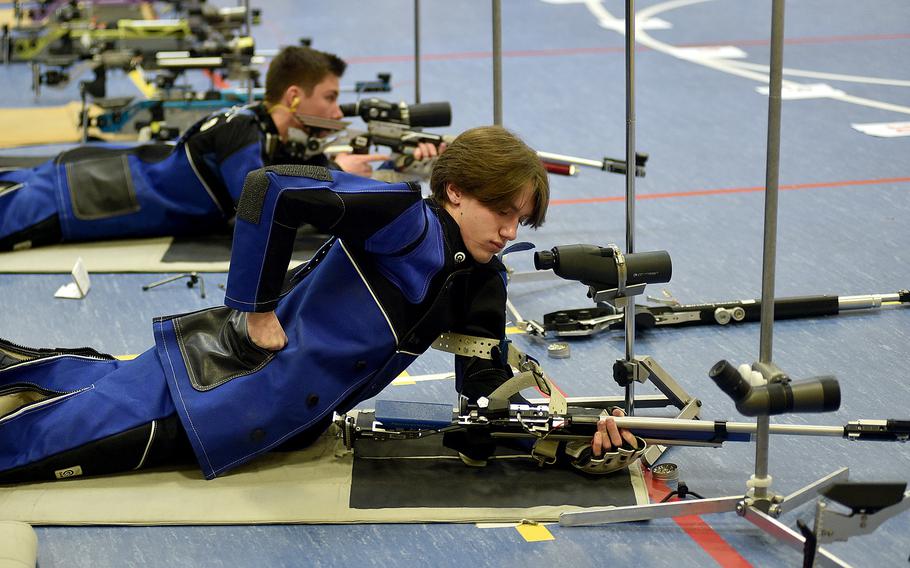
{"type": "Point", "coordinates": [818, 394]}
{"type": "Point", "coordinates": [599, 267]}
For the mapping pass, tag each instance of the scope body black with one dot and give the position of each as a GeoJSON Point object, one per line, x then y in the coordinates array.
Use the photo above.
{"type": "Point", "coordinates": [595, 265]}
{"type": "Point", "coordinates": [416, 115]}
{"type": "Point", "coordinates": [818, 394]}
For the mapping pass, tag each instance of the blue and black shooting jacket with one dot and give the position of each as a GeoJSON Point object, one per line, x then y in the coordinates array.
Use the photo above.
{"type": "Point", "coordinates": [394, 275]}
{"type": "Point", "coordinates": [109, 191]}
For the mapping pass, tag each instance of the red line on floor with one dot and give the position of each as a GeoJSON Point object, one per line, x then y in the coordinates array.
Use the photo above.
{"type": "Point", "coordinates": [562, 51]}
{"type": "Point", "coordinates": [698, 530]}
{"type": "Point", "coordinates": [729, 190]}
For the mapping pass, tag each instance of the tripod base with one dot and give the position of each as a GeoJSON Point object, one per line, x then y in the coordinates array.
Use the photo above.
{"type": "Point", "coordinates": [748, 507]}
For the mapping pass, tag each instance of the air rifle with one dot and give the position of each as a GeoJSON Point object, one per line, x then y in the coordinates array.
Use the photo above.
{"type": "Point", "coordinates": [536, 421]}
{"type": "Point", "coordinates": [398, 126]}
{"type": "Point", "coordinates": [499, 418]}
{"type": "Point", "coordinates": [591, 321]}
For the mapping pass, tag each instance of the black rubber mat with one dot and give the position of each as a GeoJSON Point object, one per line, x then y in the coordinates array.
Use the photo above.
{"type": "Point", "coordinates": [423, 473]}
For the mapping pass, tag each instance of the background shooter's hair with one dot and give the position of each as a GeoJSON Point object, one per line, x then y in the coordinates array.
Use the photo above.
{"type": "Point", "coordinates": [301, 66]}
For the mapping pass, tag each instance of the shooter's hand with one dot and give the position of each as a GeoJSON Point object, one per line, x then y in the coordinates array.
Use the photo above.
{"type": "Point", "coordinates": [426, 150]}
{"type": "Point", "coordinates": [265, 331]}
{"type": "Point", "coordinates": [608, 436]}
{"type": "Point", "coordinates": [359, 164]}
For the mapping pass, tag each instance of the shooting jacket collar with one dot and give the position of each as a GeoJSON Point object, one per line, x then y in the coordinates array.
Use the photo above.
{"type": "Point", "coordinates": [265, 119]}
{"type": "Point", "coordinates": [458, 252]}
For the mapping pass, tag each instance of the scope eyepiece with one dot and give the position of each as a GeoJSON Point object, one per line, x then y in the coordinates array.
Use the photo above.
{"type": "Point", "coordinates": [545, 259]}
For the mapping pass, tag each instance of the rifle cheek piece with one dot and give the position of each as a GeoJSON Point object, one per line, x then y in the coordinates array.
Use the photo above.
{"type": "Point", "coordinates": [818, 394]}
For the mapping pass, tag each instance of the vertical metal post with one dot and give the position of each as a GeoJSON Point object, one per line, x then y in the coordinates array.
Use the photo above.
{"type": "Point", "coordinates": [416, 51]}
{"type": "Point", "coordinates": [497, 62]}
{"type": "Point", "coordinates": [772, 169]}
{"type": "Point", "coordinates": [248, 25]}
{"type": "Point", "coordinates": [36, 79]}
{"type": "Point", "coordinates": [83, 117]}
{"type": "Point", "coordinates": [630, 189]}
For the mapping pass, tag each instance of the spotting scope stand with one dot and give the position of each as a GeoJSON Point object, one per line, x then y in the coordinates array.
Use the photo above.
{"type": "Point", "coordinates": [870, 504]}
{"type": "Point", "coordinates": [759, 505]}
{"type": "Point", "coordinates": [614, 277]}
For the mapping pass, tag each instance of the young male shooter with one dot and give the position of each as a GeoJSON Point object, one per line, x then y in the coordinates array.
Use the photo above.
{"type": "Point", "coordinates": [108, 191]}
{"type": "Point", "coordinates": [268, 369]}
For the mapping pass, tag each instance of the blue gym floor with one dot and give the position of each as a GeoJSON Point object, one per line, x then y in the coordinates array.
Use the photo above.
{"type": "Point", "coordinates": [842, 229]}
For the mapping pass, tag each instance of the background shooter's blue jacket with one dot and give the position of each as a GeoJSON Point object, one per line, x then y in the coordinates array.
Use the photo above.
{"type": "Point", "coordinates": [395, 274]}
{"type": "Point", "coordinates": [113, 191]}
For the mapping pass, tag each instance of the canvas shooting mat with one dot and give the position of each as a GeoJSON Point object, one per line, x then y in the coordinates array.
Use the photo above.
{"type": "Point", "coordinates": [209, 253]}
{"type": "Point", "coordinates": [30, 126]}
{"type": "Point", "coordinates": [385, 482]}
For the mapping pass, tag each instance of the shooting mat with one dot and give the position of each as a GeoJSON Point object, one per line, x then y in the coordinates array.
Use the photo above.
{"type": "Point", "coordinates": [210, 253]}
{"type": "Point", "coordinates": [18, 545]}
{"type": "Point", "coordinates": [324, 484]}
{"type": "Point", "coordinates": [30, 126]}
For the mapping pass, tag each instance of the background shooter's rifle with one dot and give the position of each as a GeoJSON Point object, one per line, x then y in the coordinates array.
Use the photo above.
{"type": "Point", "coordinates": [590, 321]}
{"type": "Point", "coordinates": [398, 126]}
{"type": "Point", "coordinates": [565, 165]}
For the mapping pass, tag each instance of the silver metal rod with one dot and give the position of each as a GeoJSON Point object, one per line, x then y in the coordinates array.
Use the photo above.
{"type": "Point", "coordinates": [640, 424]}
{"type": "Point", "coordinates": [497, 62]}
{"type": "Point", "coordinates": [571, 159]}
{"type": "Point", "coordinates": [865, 301]}
{"type": "Point", "coordinates": [248, 26]}
{"type": "Point", "coordinates": [630, 187]}
{"type": "Point", "coordinates": [607, 515]}
{"type": "Point", "coordinates": [772, 170]}
{"type": "Point", "coordinates": [416, 51]}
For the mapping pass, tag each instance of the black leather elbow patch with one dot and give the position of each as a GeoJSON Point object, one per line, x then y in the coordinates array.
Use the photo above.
{"type": "Point", "coordinates": [249, 208]}
{"type": "Point", "coordinates": [257, 183]}
{"type": "Point", "coordinates": [302, 170]}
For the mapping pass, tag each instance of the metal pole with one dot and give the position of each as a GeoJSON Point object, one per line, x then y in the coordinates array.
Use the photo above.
{"type": "Point", "coordinates": [772, 170]}
{"type": "Point", "coordinates": [630, 188]}
{"type": "Point", "coordinates": [497, 62]}
{"type": "Point", "coordinates": [248, 24]}
{"type": "Point", "coordinates": [416, 51]}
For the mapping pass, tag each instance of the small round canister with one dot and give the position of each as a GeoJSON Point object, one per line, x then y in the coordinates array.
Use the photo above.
{"type": "Point", "coordinates": [558, 350]}
{"type": "Point", "coordinates": [666, 472]}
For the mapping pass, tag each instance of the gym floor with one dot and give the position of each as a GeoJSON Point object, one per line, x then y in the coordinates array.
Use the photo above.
{"type": "Point", "coordinates": [703, 122]}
